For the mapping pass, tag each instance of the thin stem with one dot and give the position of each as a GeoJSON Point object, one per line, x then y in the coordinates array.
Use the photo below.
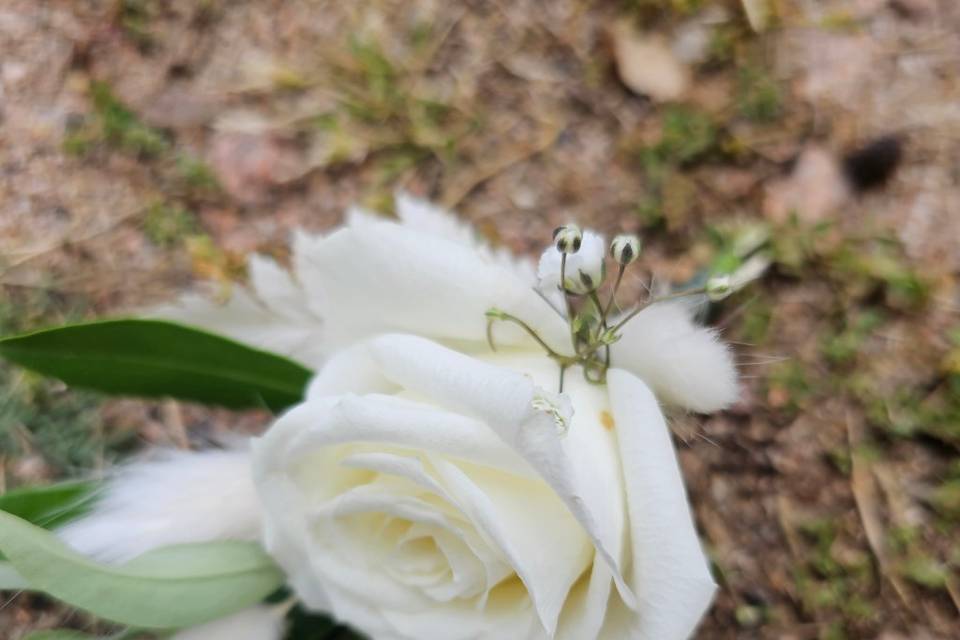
{"type": "Point", "coordinates": [501, 315]}
{"type": "Point", "coordinates": [563, 370]}
{"type": "Point", "coordinates": [613, 294]}
{"type": "Point", "coordinates": [603, 318]}
{"type": "Point", "coordinates": [679, 294]}
{"type": "Point", "coordinates": [563, 288]}
{"type": "Point", "coordinates": [566, 300]}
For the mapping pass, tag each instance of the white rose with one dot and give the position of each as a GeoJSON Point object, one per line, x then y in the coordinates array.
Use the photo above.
{"type": "Point", "coordinates": [429, 487]}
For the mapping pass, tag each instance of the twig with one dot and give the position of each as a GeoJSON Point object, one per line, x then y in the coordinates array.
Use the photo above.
{"type": "Point", "coordinates": [863, 484]}
{"type": "Point", "coordinates": [454, 194]}
{"type": "Point", "coordinates": [65, 240]}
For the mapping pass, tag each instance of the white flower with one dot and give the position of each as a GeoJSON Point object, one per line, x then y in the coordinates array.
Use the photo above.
{"type": "Point", "coordinates": [430, 488]}
{"type": "Point", "coordinates": [584, 269]}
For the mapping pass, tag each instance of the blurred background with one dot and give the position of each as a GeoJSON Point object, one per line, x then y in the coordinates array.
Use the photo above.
{"type": "Point", "coordinates": [147, 144]}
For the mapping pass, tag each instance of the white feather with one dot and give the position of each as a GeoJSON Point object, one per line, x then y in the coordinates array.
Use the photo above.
{"type": "Point", "coordinates": [272, 313]}
{"type": "Point", "coordinates": [427, 217]}
{"type": "Point", "coordinates": [261, 622]}
{"type": "Point", "coordinates": [173, 497]}
{"type": "Point", "coordinates": [686, 365]}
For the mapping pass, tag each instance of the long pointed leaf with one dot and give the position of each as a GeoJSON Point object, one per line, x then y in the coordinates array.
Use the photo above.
{"type": "Point", "coordinates": [158, 358]}
{"type": "Point", "coordinates": [10, 579]}
{"type": "Point", "coordinates": [174, 587]}
{"type": "Point", "coordinates": [51, 505]}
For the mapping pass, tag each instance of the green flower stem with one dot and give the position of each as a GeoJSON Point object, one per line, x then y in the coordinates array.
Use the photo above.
{"type": "Point", "coordinates": [613, 293]}
{"type": "Point", "coordinates": [496, 314]}
{"type": "Point", "coordinates": [679, 294]}
{"type": "Point", "coordinates": [566, 299]}
{"type": "Point", "coordinates": [603, 321]}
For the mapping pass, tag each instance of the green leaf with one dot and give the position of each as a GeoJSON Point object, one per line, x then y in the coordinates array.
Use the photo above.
{"type": "Point", "coordinates": [10, 578]}
{"type": "Point", "coordinates": [52, 505]}
{"type": "Point", "coordinates": [158, 358]}
{"type": "Point", "coordinates": [172, 587]}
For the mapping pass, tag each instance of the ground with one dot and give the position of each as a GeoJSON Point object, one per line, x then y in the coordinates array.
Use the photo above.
{"type": "Point", "coordinates": [145, 145]}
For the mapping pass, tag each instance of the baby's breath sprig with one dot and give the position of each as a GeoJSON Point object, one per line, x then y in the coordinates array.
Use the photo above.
{"type": "Point", "coordinates": [591, 330]}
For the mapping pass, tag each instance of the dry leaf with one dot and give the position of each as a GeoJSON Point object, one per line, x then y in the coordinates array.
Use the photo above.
{"type": "Point", "coordinates": [647, 65]}
{"type": "Point", "coordinates": [758, 13]}
{"type": "Point", "coordinates": [866, 495]}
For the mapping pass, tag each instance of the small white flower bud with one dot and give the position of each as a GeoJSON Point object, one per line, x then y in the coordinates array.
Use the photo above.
{"type": "Point", "coordinates": [718, 288]}
{"type": "Point", "coordinates": [568, 238]}
{"type": "Point", "coordinates": [625, 248]}
{"type": "Point", "coordinates": [584, 270]}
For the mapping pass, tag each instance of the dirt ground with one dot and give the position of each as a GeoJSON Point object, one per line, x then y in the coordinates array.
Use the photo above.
{"type": "Point", "coordinates": [145, 145]}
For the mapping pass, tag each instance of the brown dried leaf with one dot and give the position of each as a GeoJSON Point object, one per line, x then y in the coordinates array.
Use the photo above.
{"type": "Point", "coordinates": [758, 13]}
{"type": "Point", "coordinates": [866, 495]}
{"type": "Point", "coordinates": [647, 64]}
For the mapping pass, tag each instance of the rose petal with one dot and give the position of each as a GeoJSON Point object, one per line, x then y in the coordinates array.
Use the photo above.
{"type": "Point", "coordinates": [577, 467]}
{"type": "Point", "coordinates": [670, 574]}
{"type": "Point", "coordinates": [586, 607]}
{"type": "Point", "coordinates": [530, 526]}
{"type": "Point", "coordinates": [323, 422]}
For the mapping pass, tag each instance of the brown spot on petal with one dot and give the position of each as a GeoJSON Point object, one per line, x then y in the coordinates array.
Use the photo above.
{"type": "Point", "coordinates": [606, 419]}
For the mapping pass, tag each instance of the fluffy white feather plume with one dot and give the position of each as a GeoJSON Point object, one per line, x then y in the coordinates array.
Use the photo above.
{"type": "Point", "coordinates": [173, 497]}
{"type": "Point", "coordinates": [256, 623]}
{"type": "Point", "coordinates": [685, 363]}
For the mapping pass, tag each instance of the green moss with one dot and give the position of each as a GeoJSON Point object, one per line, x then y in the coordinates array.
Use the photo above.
{"type": "Point", "coordinates": [114, 125]}
{"type": "Point", "coordinates": [648, 9]}
{"type": "Point", "coordinates": [122, 128]}
{"type": "Point", "coordinates": [863, 267]}
{"type": "Point", "coordinates": [945, 500]}
{"type": "Point", "coordinates": [791, 377]}
{"type": "Point", "coordinates": [167, 224]}
{"type": "Point", "coordinates": [840, 458]}
{"type": "Point", "coordinates": [196, 175]}
{"type": "Point", "coordinates": [381, 98]}
{"type": "Point", "coordinates": [925, 571]}
{"type": "Point", "coordinates": [759, 97]}
{"type": "Point", "coordinates": [754, 326]}
{"type": "Point", "coordinates": [723, 42]}
{"type": "Point", "coordinates": [842, 348]}
{"type": "Point", "coordinates": [833, 631]}
{"type": "Point", "coordinates": [798, 247]}
{"type": "Point", "coordinates": [135, 17]}
{"type": "Point", "coordinates": [686, 136]}
{"type": "Point", "coordinates": [386, 114]}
